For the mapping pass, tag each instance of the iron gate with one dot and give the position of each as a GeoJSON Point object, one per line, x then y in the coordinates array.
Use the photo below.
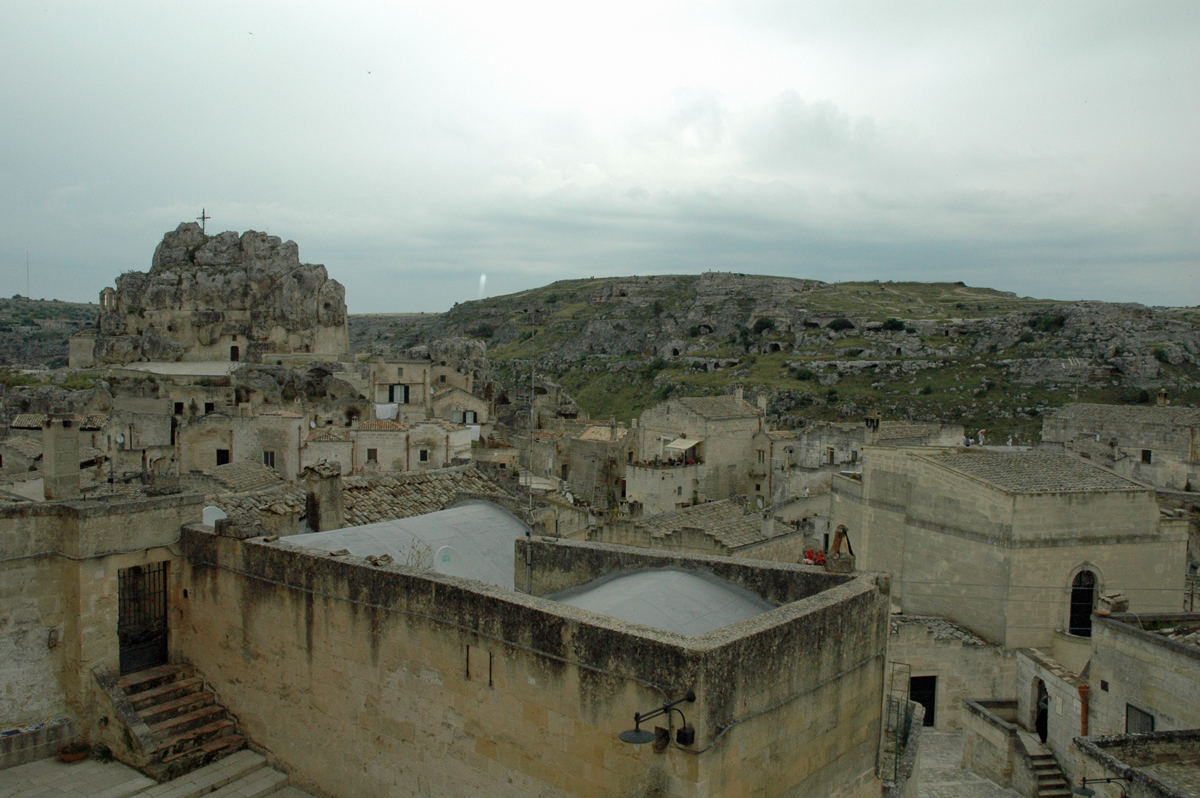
{"type": "Point", "coordinates": [142, 616]}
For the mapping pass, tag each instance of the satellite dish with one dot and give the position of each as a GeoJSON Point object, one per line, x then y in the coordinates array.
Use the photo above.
{"type": "Point", "coordinates": [312, 424]}
{"type": "Point", "coordinates": [212, 515]}
{"type": "Point", "coordinates": [448, 561]}
{"type": "Point", "coordinates": [121, 439]}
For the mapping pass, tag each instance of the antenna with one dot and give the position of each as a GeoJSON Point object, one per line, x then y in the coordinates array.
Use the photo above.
{"type": "Point", "coordinates": [27, 274]}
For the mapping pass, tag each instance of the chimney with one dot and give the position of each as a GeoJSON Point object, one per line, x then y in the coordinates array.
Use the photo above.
{"type": "Point", "coordinates": [60, 457]}
{"type": "Point", "coordinates": [323, 496]}
{"type": "Point", "coordinates": [872, 423]}
{"type": "Point", "coordinates": [738, 393]}
{"type": "Point", "coordinates": [1162, 398]}
{"type": "Point", "coordinates": [762, 403]}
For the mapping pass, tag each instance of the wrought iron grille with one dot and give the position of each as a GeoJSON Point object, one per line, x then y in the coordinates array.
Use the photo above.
{"type": "Point", "coordinates": [142, 616]}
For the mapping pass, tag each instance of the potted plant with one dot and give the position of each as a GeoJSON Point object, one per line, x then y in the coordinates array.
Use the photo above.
{"type": "Point", "coordinates": [73, 752]}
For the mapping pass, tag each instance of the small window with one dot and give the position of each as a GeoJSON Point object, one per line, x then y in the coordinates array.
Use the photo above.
{"type": "Point", "coordinates": [458, 417]}
{"type": "Point", "coordinates": [372, 455]}
{"type": "Point", "coordinates": [1137, 721]}
{"type": "Point", "coordinates": [1147, 455]}
{"type": "Point", "coordinates": [269, 459]}
{"type": "Point", "coordinates": [757, 486]}
{"type": "Point", "coordinates": [222, 456]}
{"type": "Point", "coordinates": [679, 490]}
{"type": "Point", "coordinates": [854, 456]}
{"type": "Point", "coordinates": [442, 379]}
{"type": "Point", "coordinates": [423, 455]}
{"type": "Point", "coordinates": [210, 407]}
{"type": "Point", "coordinates": [179, 408]}
{"type": "Point", "coordinates": [470, 417]}
{"type": "Point", "coordinates": [1, 461]}
{"type": "Point", "coordinates": [762, 456]}
{"type": "Point", "coordinates": [1104, 685]}
{"type": "Point", "coordinates": [399, 372]}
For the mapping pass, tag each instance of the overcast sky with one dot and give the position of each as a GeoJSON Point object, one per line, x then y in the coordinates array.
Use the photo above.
{"type": "Point", "coordinates": [1044, 148]}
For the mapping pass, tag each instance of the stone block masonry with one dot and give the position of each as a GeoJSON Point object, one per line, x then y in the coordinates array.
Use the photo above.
{"type": "Point", "coordinates": [410, 682]}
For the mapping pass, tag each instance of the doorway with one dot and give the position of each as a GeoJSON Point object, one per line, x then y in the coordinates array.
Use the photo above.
{"type": "Point", "coordinates": [1041, 720]}
{"type": "Point", "coordinates": [923, 690]}
{"type": "Point", "coordinates": [234, 353]}
{"type": "Point", "coordinates": [142, 616]}
{"type": "Point", "coordinates": [1083, 600]}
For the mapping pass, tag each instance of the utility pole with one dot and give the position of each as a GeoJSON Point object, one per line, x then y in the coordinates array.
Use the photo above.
{"type": "Point", "coordinates": [27, 296]}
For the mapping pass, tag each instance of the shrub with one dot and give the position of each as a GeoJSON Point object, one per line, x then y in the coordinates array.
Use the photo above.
{"type": "Point", "coordinates": [1049, 323]}
{"type": "Point", "coordinates": [839, 324]}
{"type": "Point", "coordinates": [927, 390]}
{"type": "Point", "coordinates": [1160, 355]}
{"type": "Point", "coordinates": [657, 308]}
{"type": "Point", "coordinates": [831, 396]}
{"type": "Point", "coordinates": [853, 352]}
{"type": "Point", "coordinates": [804, 373]}
{"type": "Point", "coordinates": [893, 325]}
{"type": "Point", "coordinates": [1026, 338]}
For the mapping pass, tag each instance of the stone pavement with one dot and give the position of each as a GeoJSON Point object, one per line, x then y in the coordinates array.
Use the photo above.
{"type": "Point", "coordinates": [49, 778]}
{"type": "Point", "coordinates": [941, 773]}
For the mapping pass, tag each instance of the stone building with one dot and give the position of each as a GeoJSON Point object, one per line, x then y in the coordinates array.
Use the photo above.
{"type": "Point", "coordinates": [224, 298]}
{"type": "Point", "coordinates": [1015, 546]}
{"type": "Point", "coordinates": [1158, 445]}
{"type": "Point", "coordinates": [272, 437]}
{"type": "Point", "coordinates": [380, 446]}
{"type": "Point", "coordinates": [406, 679]}
{"type": "Point", "coordinates": [596, 461]}
{"type": "Point", "coordinates": [692, 450]}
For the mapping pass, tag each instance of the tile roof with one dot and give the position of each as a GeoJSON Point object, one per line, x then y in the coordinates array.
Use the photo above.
{"type": "Point", "coordinates": [719, 406]}
{"type": "Point", "coordinates": [92, 421]}
{"type": "Point", "coordinates": [724, 520]}
{"type": "Point", "coordinates": [244, 508]}
{"type": "Point", "coordinates": [383, 497]}
{"type": "Point", "coordinates": [282, 413]}
{"type": "Point", "coordinates": [943, 631]}
{"type": "Point", "coordinates": [439, 422]}
{"type": "Point", "coordinates": [905, 430]}
{"type": "Point", "coordinates": [24, 445]}
{"type": "Point", "coordinates": [604, 433]}
{"type": "Point", "coordinates": [1034, 472]}
{"type": "Point", "coordinates": [381, 426]}
{"type": "Point", "coordinates": [1129, 414]}
{"type": "Point", "coordinates": [329, 434]}
{"type": "Point", "coordinates": [782, 434]}
{"type": "Point", "coordinates": [246, 475]}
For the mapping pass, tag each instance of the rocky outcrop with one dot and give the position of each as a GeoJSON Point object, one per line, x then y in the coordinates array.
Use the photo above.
{"type": "Point", "coordinates": [222, 297]}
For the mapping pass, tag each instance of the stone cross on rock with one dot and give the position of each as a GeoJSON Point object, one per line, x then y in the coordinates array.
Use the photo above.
{"type": "Point", "coordinates": [202, 218]}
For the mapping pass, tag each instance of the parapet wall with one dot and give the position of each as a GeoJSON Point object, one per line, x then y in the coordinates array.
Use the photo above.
{"type": "Point", "coordinates": [374, 681]}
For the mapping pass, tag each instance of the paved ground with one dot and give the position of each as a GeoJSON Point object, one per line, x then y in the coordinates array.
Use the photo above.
{"type": "Point", "coordinates": [49, 778]}
{"type": "Point", "coordinates": [942, 775]}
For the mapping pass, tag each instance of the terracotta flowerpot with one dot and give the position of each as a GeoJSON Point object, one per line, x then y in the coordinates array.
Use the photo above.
{"type": "Point", "coordinates": [73, 752]}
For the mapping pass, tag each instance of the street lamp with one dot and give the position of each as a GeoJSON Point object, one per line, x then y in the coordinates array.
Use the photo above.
{"type": "Point", "coordinates": [638, 736]}
{"type": "Point", "coordinates": [1086, 791]}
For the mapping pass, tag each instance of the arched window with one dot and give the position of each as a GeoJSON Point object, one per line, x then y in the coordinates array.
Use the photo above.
{"type": "Point", "coordinates": [1083, 599]}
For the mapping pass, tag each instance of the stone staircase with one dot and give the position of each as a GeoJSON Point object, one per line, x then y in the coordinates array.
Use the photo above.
{"type": "Point", "coordinates": [1051, 783]}
{"type": "Point", "coordinates": [189, 728]}
{"type": "Point", "coordinates": [243, 774]}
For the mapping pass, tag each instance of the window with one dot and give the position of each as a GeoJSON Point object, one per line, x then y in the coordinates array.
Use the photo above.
{"type": "Point", "coordinates": [679, 490]}
{"type": "Point", "coordinates": [209, 407]}
{"type": "Point", "coordinates": [423, 455]}
{"type": "Point", "coordinates": [758, 487]}
{"type": "Point", "coordinates": [372, 455]}
{"type": "Point", "coordinates": [442, 379]}
{"type": "Point", "coordinates": [179, 408]}
{"type": "Point", "coordinates": [1083, 599]}
{"type": "Point", "coordinates": [399, 371]}
{"type": "Point", "coordinates": [457, 417]}
{"type": "Point", "coordinates": [1137, 721]}
{"type": "Point", "coordinates": [222, 456]}
{"type": "Point", "coordinates": [269, 459]}
{"type": "Point", "coordinates": [470, 417]}
{"type": "Point", "coordinates": [831, 454]}
{"type": "Point", "coordinates": [1147, 456]}
{"type": "Point", "coordinates": [854, 456]}
{"type": "Point", "coordinates": [1, 461]}
{"type": "Point", "coordinates": [762, 456]}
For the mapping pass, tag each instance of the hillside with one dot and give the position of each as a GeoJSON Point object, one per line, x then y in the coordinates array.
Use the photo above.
{"type": "Point", "coordinates": [36, 331]}
{"type": "Point", "coordinates": [943, 351]}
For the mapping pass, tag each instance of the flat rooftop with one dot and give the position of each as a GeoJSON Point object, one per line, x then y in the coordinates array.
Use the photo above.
{"type": "Point", "coordinates": [671, 599]}
{"type": "Point", "coordinates": [1034, 472]}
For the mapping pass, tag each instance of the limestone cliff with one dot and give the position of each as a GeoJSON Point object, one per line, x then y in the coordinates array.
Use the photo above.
{"type": "Point", "coordinates": [221, 297]}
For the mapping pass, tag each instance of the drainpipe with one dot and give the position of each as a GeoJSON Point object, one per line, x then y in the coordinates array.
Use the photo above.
{"type": "Point", "coordinates": [1083, 712]}
{"type": "Point", "coordinates": [528, 561]}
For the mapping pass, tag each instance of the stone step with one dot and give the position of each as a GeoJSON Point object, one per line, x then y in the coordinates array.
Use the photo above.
{"type": "Point", "coordinates": [189, 760]}
{"type": "Point", "coordinates": [169, 749]}
{"type": "Point", "coordinates": [263, 781]}
{"type": "Point", "coordinates": [189, 702]}
{"type": "Point", "coordinates": [176, 726]}
{"type": "Point", "coordinates": [211, 777]}
{"type": "Point", "coordinates": [153, 677]}
{"type": "Point", "coordinates": [165, 692]}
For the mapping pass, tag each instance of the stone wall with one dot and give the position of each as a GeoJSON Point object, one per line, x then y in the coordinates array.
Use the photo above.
{"type": "Point", "coordinates": [966, 667]}
{"type": "Point", "coordinates": [1064, 721]}
{"type": "Point", "coordinates": [1146, 670]}
{"type": "Point", "coordinates": [58, 576]}
{"type": "Point", "coordinates": [412, 682]}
